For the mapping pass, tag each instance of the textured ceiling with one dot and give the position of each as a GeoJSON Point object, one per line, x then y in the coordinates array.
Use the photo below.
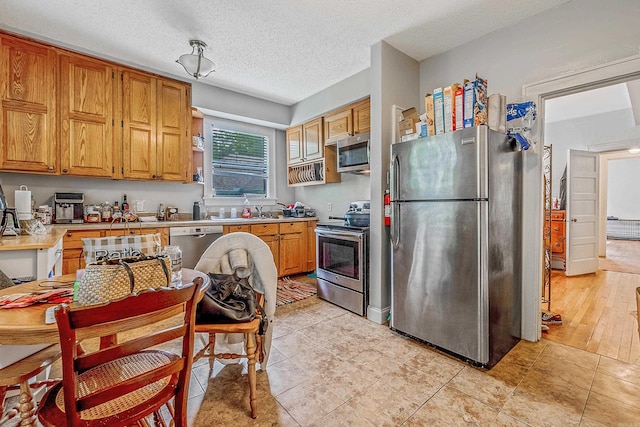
{"type": "Point", "coordinates": [280, 50]}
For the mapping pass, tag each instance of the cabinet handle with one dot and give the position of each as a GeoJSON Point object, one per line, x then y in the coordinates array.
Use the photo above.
{"type": "Point", "coordinates": [50, 168]}
{"type": "Point", "coordinates": [68, 234]}
{"type": "Point", "coordinates": [65, 170]}
{"type": "Point", "coordinates": [154, 176]}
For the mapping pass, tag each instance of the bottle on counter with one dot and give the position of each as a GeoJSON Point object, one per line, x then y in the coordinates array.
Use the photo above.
{"type": "Point", "coordinates": [246, 210]}
{"type": "Point", "coordinates": [116, 215]}
{"type": "Point", "coordinates": [125, 204]}
{"type": "Point", "coordinates": [160, 214]}
{"type": "Point", "coordinates": [196, 211]}
{"type": "Point", "coordinates": [106, 212]}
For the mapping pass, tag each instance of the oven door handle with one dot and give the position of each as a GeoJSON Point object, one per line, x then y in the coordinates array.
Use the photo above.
{"type": "Point", "coordinates": [349, 236]}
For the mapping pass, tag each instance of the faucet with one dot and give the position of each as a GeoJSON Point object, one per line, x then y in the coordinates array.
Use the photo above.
{"type": "Point", "coordinates": [259, 210]}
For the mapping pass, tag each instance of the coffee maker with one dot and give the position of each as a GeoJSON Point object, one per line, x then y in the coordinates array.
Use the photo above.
{"type": "Point", "coordinates": [5, 213]}
{"type": "Point", "coordinates": [69, 208]}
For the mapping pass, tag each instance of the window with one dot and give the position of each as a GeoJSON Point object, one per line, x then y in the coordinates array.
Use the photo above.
{"type": "Point", "coordinates": [239, 163]}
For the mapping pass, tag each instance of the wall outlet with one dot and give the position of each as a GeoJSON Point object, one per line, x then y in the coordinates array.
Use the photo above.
{"type": "Point", "coordinates": [329, 207]}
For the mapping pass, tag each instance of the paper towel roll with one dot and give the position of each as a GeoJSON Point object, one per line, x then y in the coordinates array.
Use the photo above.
{"type": "Point", "coordinates": [23, 200]}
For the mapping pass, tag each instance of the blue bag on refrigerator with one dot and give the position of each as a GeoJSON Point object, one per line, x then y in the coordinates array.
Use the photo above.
{"type": "Point", "coordinates": [521, 122]}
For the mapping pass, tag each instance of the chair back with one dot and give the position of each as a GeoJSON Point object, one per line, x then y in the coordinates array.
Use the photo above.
{"type": "Point", "coordinates": [138, 310]}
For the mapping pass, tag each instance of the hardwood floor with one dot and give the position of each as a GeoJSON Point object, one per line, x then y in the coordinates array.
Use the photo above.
{"type": "Point", "coordinates": [599, 310]}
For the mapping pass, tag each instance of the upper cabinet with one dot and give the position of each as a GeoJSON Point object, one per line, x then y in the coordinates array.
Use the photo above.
{"type": "Point", "coordinates": [28, 120]}
{"type": "Point", "coordinates": [139, 125]}
{"type": "Point", "coordinates": [361, 117]}
{"type": "Point", "coordinates": [338, 125]}
{"type": "Point", "coordinates": [87, 93]}
{"type": "Point", "coordinates": [346, 122]}
{"type": "Point", "coordinates": [112, 122]}
{"type": "Point", "coordinates": [305, 142]}
{"type": "Point", "coordinates": [154, 128]}
{"type": "Point", "coordinates": [311, 147]}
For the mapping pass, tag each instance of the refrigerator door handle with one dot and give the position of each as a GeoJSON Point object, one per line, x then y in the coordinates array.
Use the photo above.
{"type": "Point", "coordinates": [395, 217]}
{"type": "Point", "coordinates": [395, 225]}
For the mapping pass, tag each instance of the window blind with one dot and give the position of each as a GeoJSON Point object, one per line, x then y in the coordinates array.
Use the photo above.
{"type": "Point", "coordinates": [239, 163]}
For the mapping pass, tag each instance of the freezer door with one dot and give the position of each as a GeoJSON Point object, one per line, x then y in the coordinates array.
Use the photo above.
{"type": "Point", "coordinates": [439, 292]}
{"type": "Point", "coordinates": [448, 166]}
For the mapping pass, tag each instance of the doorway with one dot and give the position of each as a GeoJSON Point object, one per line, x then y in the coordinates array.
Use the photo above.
{"type": "Point", "coordinates": [598, 310]}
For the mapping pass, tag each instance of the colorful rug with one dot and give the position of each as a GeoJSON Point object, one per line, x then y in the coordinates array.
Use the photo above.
{"type": "Point", "coordinates": [291, 291]}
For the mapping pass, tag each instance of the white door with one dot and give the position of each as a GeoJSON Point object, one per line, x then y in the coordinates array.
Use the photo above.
{"type": "Point", "coordinates": [582, 212]}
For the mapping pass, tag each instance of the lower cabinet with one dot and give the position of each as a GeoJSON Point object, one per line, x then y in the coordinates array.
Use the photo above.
{"type": "Point", "coordinates": [289, 242]}
{"type": "Point", "coordinates": [72, 256]}
{"type": "Point", "coordinates": [311, 245]}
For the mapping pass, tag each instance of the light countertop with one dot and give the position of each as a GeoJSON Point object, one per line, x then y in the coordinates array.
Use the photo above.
{"type": "Point", "coordinates": [57, 231]}
{"type": "Point", "coordinates": [38, 241]}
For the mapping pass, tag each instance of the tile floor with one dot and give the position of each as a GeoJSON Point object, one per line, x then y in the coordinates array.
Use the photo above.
{"type": "Point", "coordinates": [329, 367]}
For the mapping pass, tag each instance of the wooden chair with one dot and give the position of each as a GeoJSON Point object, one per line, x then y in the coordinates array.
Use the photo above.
{"type": "Point", "coordinates": [18, 374]}
{"type": "Point", "coordinates": [253, 349]}
{"type": "Point", "coordinates": [256, 347]}
{"type": "Point", "coordinates": [123, 384]}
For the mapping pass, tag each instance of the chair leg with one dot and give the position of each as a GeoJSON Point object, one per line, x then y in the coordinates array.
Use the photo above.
{"type": "Point", "coordinates": [11, 412]}
{"type": "Point", "coordinates": [251, 368]}
{"type": "Point", "coordinates": [212, 350]}
{"type": "Point", "coordinates": [27, 411]}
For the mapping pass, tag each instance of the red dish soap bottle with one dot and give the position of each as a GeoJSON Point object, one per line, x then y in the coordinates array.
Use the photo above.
{"type": "Point", "coordinates": [246, 210]}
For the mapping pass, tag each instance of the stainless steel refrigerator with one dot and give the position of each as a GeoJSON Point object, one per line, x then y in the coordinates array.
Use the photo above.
{"type": "Point", "coordinates": [456, 234]}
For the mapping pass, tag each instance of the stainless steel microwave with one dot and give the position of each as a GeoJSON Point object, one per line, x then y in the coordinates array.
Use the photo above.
{"type": "Point", "coordinates": [353, 154]}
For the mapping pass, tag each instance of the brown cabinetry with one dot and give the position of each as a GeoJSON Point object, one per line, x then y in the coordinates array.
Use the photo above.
{"type": "Point", "coordinates": [293, 248]}
{"type": "Point", "coordinates": [311, 245]}
{"type": "Point", "coordinates": [309, 162]}
{"type": "Point", "coordinates": [362, 117]}
{"type": "Point", "coordinates": [154, 129]}
{"type": "Point", "coordinates": [72, 256]}
{"type": "Point", "coordinates": [28, 119]}
{"type": "Point", "coordinates": [558, 236]}
{"type": "Point", "coordinates": [86, 116]}
{"type": "Point", "coordinates": [112, 121]}
{"type": "Point", "coordinates": [338, 125]}
{"type": "Point", "coordinates": [288, 241]}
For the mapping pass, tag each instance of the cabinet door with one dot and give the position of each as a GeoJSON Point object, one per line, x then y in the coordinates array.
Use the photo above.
{"type": "Point", "coordinates": [86, 112]}
{"type": "Point", "coordinates": [72, 256]}
{"type": "Point", "coordinates": [28, 121]}
{"type": "Point", "coordinates": [292, 254]}
{"type": "Point", "coordinates": [294, 145]}
{"type": "Point", "coordinates": [361, 117]}
{"type": "Point", "coordinates": [172, 131]}
{"type": "Point", "coordinates": [311, 245]}
{"type": "Point", "coordinates": [139, 125]}
{"type": "Point", "coordinates": [226, 229]}
{"type": "Point", "coordinates": [313, 141]}
{"type": "Point", "coordinates": [338, 126]}
{"type": "Point", "coordinates": [273, 242]}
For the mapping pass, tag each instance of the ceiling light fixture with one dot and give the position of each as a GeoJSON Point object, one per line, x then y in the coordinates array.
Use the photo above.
{"type": "Point", "coordinates": [195, 63]}
{"type": "Point", "coordinates": [634, 150]}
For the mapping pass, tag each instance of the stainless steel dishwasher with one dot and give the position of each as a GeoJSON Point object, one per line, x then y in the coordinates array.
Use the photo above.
{"type": "Point", "coordinates": [193, 241]}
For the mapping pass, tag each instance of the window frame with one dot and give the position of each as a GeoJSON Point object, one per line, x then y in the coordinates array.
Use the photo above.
{"type": "Point", "coordinates": [236, 126]}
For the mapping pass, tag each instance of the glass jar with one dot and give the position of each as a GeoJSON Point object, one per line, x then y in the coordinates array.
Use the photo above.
{"type": "Point", "coordinates": [106, 212]}
{"type": "Point", "coordinates": [175, 256]}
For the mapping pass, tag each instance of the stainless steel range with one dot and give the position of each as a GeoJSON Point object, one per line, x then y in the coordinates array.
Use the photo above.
{"type": "Point", "coordinates": [342, 260]}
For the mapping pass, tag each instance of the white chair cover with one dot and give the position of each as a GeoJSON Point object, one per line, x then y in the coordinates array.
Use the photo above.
{"type": "Point", "coordinates": [263, 278]}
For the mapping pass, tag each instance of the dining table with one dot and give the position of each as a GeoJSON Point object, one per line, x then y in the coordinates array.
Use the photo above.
{"type": "Point", "coordinates": [27, 326]}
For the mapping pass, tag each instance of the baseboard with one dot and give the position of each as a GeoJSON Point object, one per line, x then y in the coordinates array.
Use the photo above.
{"type": "Point", "coordinates": [377, 315]}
